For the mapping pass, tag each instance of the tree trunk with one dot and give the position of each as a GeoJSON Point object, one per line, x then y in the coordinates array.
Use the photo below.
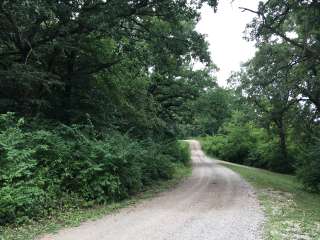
{"type": "Point", "coordinates": [283, 140]}
{"type": "Point", "coordinates": [283, 164]}
{"type": "Point", "coordinates": [67, 98]}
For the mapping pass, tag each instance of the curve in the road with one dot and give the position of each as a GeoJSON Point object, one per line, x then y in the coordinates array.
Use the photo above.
{"type": "Point", "coordinates": [214, 203]}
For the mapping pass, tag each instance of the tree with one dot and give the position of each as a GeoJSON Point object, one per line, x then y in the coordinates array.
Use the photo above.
{"type": "Point", "coordinates": [297, 24]}
{"type": "Point", "coordinates": [268, 87]}
{"type": "Point", "coordinates": [212, 109]}
{"type": "Point", "coordinates": [57, 56]}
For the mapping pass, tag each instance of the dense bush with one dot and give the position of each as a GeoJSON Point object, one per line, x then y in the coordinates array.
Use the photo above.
{"type": "Point", "coordinates": [248, 144]}
{"type": "Point", "coordinates": [40, 169]}
{"type": "Point", "coordinates": [240, 142]}
{"type": "Point", "coordinates": [308, 169]}
{"type": "Point", "coordinates": [245, 143]}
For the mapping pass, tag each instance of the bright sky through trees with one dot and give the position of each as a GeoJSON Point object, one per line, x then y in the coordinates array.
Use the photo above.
{"type": "Point", "coordinates": [224, 31]}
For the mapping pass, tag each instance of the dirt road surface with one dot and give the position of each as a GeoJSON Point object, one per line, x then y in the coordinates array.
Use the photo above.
{"type": "Point", "coordinates": [214, 203]}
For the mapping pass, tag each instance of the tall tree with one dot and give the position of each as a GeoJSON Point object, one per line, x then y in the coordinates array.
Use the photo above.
{"type": "Point", "coordinates": [297, 24]}
{"type": "Point", "coordinates": [51, 49]}
{"type": "Point", "coordinates": [268, 86]}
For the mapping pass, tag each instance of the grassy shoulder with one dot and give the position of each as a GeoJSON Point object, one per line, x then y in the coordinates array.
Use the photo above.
{"type": "Point", "coordinates": [291, 212]}
{"type": "Point", "coordinates": [74, 216]}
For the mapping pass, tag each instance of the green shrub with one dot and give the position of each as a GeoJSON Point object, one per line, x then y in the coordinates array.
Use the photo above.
{"type": "Point", "coordinates": [183, 151]}
{"type": "Point", "coordinates": [179, 150]}
{"type": "Point", "coordinates": [308, 169]}
{"type": "Point", "coordinates": [20, 191]}
{"type": "Point", "coordinates": [245, 143]}
{"type": "Point", "coordinates": [44, 169]}
{"type": "Point", "coordinates": [214, 145]}
{"type": "Point", "coordinates": [19, 201]}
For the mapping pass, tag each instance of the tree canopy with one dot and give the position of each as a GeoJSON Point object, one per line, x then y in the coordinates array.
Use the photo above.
{"type": "Point", "coordinates": [66, 59]}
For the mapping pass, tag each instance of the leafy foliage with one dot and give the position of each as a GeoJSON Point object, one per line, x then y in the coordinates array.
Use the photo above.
{"type": "Point", "coordinates": [309, 168]}
{"type": "Point", "coordinates": [208, 112]}
{"type": "Point", "coordinates": [44, 169]}
{"type": "Point", "coordinates": [62, 60]}
{"type": "Point", "coordinates": [244, 142]}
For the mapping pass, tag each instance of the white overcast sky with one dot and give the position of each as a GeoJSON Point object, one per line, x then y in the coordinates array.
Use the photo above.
{"type": "Point", "coordinates": [224, 30]}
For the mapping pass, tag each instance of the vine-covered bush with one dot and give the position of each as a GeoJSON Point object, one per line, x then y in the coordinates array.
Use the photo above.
{"type": "Point", "coordinates": [42, 169]}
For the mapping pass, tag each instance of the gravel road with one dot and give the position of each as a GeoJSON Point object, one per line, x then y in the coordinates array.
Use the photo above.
{"type": "Point", "coordinates": [214, 203]}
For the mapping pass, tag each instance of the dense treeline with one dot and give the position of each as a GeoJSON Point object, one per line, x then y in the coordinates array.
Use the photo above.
{"type": "Point", "coordinates": [274, 121]}
{"type": "Point", "coordinates": [112, 60]}
{"type": "Point", "coordinates": [92, 94]}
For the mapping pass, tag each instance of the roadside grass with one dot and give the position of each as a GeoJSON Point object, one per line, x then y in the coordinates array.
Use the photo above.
{"type": "Point", "coordinates": [292, 213]}
{"type": "Point", "coordinates": [72, 217]}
